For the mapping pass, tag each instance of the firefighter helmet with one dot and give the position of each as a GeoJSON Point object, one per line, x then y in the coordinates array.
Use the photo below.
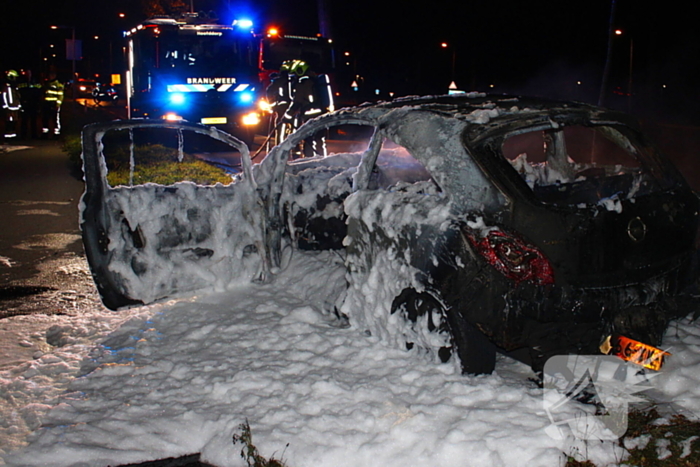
{"type": "Point", "coordinates": [299, 67]}
{"type": "Point", "coordinates": [12, 75]}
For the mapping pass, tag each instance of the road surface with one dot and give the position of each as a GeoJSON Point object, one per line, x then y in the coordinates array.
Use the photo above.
{"type": "Point", "coordinates": [42, 266]}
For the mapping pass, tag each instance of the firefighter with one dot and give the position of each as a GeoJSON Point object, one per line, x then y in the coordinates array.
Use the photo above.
{"type": "Point", "coordinates": [311, 98]}
{"type": "Point", "coordinates": [279, 95]}
{"type": "Point", "coordinates": [10, 104]}
{"type": "Point", "coordinates": [51, 111]}
{"type": "Point", "coordinates": [30, 95]}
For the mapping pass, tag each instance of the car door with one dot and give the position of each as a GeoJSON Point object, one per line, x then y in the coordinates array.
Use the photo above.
{"type": "Point", "coordinates": [169, 208]}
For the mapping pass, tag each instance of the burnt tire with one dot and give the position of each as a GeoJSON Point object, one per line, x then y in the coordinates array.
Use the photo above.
{"type": "Point", "coordinates": [476, 353]}
{"type": "Point", "coordinates": [414, 305]}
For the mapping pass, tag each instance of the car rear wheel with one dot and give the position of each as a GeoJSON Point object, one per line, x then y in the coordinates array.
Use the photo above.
{"type": "Point", "coordinates": [476, 353]}
{"type": "Point", "coordinates": [421, 309]}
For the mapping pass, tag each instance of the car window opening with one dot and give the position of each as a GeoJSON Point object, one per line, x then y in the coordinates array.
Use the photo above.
{"type": "Point", "coordinates": [346, 145]}
{"type": "Point", "coordinates": [577, 164]}
{"type": "Point", "coordinates": [165, 157]}
{"type": "Point", "coordinates": [396, 168]}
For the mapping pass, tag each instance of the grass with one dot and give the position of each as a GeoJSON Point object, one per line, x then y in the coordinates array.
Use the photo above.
{"type": "Point", "coordinates": [73, 117]}
{"type": "Point", "coordinates": [154, 163]}
{"type": "Point", "coordinates": [72, 146]}
{"type": "Point", "coordinates": [159, 164]}
{"type": "Point", "coordinates": [250, 453]}
{"type": "Point", "coordinates": [671, 439]}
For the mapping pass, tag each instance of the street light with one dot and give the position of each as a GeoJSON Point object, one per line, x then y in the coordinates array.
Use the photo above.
{"type": "Point", "coordinates": [445, 45]}
{"type": "Point", "coordinates": [619, 32]}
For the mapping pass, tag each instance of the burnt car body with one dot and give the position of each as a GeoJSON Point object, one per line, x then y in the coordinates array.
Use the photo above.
{"type": "Point", "coordinates": [470, 224]}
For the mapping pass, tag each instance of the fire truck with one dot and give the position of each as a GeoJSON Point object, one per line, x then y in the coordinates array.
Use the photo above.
{"type": "Point", "coordinates": [277, 48]}
{"type": "Point", "coordinates": [194, 69]}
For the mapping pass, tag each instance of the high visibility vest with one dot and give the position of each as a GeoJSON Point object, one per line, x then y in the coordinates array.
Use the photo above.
{"type": "Point", "coordinates": [10, 97]}
{"type": "Point", "coordinates": [312, 95]}
{"type": "Point", "coordinates": [54, 92]}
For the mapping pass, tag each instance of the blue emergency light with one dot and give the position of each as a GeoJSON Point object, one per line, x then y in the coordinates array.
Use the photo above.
{"type": "Point", "coordinates": [177, 98]}
{"type": "Point", "coordinates": [243, 24]}
{"type": "Point", "coordinates": [246, 97]}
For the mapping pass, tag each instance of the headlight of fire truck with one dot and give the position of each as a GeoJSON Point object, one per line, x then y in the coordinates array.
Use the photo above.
{"type": "Point", "coordinates": [172, 117]}
{"type": "Point", "coordinates": [264, 106]}
{"type": "Point", "coordinates": [250, 119]}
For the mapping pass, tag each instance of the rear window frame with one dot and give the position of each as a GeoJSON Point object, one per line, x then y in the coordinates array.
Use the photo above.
{"type": "Point", "coordinates": [486, 149]}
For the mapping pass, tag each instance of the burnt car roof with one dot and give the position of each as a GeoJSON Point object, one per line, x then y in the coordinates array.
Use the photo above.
{"type": "Point", "coordinates": [483, 112]}
{"type": "Point", "coordinates": [467, 106]}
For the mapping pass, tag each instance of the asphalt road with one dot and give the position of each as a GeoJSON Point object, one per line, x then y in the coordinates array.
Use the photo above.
{"type": "Point", "coordinates": [41, 252]}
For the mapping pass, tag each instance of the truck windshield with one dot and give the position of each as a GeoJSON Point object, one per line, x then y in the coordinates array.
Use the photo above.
{"type": "Point", "coordinates": [315, 51]}
{"type": "Point", "coordinates": [214, 53]}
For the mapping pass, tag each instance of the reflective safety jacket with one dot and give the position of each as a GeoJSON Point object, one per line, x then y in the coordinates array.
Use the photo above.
{"type": "Point", "coordinates": [54, 92]}
{"type": "Point", "coordinates": [279, 93]}
{"type": "Point", "coordinates": [312, 96]}
{"type": "Point", "coordinates": [10, 97]}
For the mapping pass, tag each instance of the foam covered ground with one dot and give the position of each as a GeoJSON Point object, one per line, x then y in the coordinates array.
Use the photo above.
{"type": "Point", "coordinates": [181, 377]}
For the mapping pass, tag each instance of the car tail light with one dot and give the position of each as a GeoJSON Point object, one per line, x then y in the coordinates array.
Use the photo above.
{"type": "Point", "coordinates": [513, 257]}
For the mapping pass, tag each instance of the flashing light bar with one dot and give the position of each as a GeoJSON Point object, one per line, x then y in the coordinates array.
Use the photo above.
{"type": "Point", "coordinates": [243, 23]}
{"type": "Point", "coordinates": [246, 97]}
{"type": "Point", "coordinates": [205, 87]}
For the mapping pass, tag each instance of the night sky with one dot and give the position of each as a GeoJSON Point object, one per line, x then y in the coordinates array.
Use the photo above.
{"type": "Point", "coordinates": [537, 47]}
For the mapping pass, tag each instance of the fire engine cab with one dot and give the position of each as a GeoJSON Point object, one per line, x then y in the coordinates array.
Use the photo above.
{"type": "Point", "coordinates": [194, 69]}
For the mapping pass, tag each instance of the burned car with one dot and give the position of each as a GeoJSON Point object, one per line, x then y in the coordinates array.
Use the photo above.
{"type": "Point", "coordinates": [469, 225]}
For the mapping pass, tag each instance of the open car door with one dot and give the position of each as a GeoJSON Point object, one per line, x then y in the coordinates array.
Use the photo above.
{"type": "Point", "coordinates": [169, 208]}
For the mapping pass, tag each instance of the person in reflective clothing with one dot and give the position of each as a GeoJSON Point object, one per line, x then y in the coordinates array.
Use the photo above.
{"type": "Point", "coordinates": [10, 104]}
{"type": "Point", "coordinates": [311, 98]}
{"type": "Point", "coordinates": [30, 94]}
{"type": "Point", "coordinates": [279, 95]}
{"type": "Point", "coordinates": [51, 112]}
